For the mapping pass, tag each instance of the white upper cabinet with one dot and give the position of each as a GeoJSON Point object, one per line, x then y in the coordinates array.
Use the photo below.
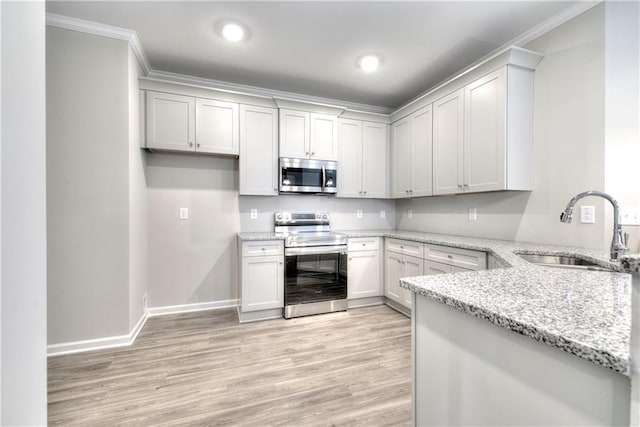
{"type": "Point", "coordinates": [307, 135]}
{"type": "Point", "coordinates": [185, 123]}
{"type": "Point", "coordinates": [482, 134]}
{"type": "Point", "coordinates": [323, 143]}
{"type": "Point", "coordinates": [217, 127]}
{"type": "Point", "coordinates": [258, 164]}
{"type": "Point", "coordinates": [448, 141]}
{"type": "Point", "coordinates": [362, 160]}
{"type": "Point", "coordinates": [294, 133]}
{"type": "Point", "coordinates": [412, 155]}
{"type": "Point", "coordinates": [170, 121]}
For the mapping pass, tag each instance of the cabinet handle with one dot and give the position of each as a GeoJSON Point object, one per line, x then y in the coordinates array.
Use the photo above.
{"type": "Point", "coordinates": [198, 145]}
{"type": "Point", "coordinates": [306, 154]}
{"type": "Point", "coordinates": [365, 193]}
{"type": "Point", "coordinates": [450, 256]}
{"type": "Point", "coordinates": [350, 259]}
{"type": "Point", "coordinates": [263, 249]}
{"type": "Point", "coordinates": [401, 247]}
{"type": "Point", "coordinates": [364, 244]}
{"type": "Point", "coordinates": [399, 262]}
{"type": "Point", "coordinates": [313, 154]}
{"type": "Point", "coordinates": [190, 143]}
{"type": "Point", "coordinates": [280, 262]}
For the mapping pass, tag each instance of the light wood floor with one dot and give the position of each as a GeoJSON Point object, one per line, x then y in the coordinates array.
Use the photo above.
{"type": "Point", "coordinates": [349, 368]}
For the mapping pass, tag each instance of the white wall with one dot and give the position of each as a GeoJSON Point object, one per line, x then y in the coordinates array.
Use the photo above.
{"type": "Point", "coordinates": [622, 109]}
{"type": "Point", "coordinates": [87, 186]}
{"type": "Point", "coordinates": [568, 152]}
{"type": "Point", "coordinates": [138, 239]}
{"type": "Point", "coordinates": [23, 263]}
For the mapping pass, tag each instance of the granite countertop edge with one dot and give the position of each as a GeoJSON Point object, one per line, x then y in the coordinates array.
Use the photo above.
{"type": "Point", "coordinates": [614, 354]}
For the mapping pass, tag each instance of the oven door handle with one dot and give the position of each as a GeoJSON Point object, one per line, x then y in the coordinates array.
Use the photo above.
{"type": "Point", "coordinates": [313, 250]}
{"type": "Point", "coordinates": [324, 178]}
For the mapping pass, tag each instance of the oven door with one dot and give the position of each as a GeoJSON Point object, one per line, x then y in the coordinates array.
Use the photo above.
{"type": "Point", "coordinates": [315, 274]}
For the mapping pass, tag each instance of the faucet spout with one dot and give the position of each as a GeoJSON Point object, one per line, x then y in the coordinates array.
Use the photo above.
{"type": "Point", "coordinates": [617, 245]}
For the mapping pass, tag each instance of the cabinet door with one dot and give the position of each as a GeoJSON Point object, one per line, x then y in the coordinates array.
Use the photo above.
{"type": "Point", "coordinates": [363, 276]}
{"type": "Point", "coordinates": [170, 121]}
{"type": "Point", "coordinates": [374, 160]}
{"type": "Point", "coordinates": [401, 158]}
{"type": "Point", "coordinates": [258, 163]}
{"type": "Point", "coordinates": [350, 158]}
{"type": "Point", "coordinates": [262, 282]}
{"type": "Point", "coordinates": [217, 127]}
{"type": "Point", "coordinates": [448, 131]}
{"type": "Point", "coordinates": [485, 133]}
{"type": "Point", "coordinates": [413, 266]}
{"type": "Point", "coordinates": [294, 133]}
{"type": "Point", "coordinates": [393, 271]}
{"type": "Point", "coordinates": [433, 267]}
{"type": "Point", "coordinates": [323, 142]}
{"type": "Point", "coordinates": [422, 163]}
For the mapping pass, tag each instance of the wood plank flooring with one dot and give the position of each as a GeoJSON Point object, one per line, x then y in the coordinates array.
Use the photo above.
{"type": "Point", "coordinates": [339, 369]}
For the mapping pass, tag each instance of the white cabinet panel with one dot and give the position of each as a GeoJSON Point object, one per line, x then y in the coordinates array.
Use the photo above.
{"type": "Point", "coordinates": [170, 121]}
{"type": "Point", "coordinates": [374, 160]}
{"type": "Point", "coordinates": [405, 247]}
{"type": "Point", "coordinates": [350, 159]}
{"type": "Point", "coordinates": [363, 275]}
{"type": "Point", "coordinates": [323, 141]}
{"type": "Point", "coordinates": [485, 133]}
{"type": "Point", "coordinates": [363, 244]}
{"type": "Point", "coordinates": [294, 133]}
{"type": "Point", "coordinates": [263, 248]}
{"type": "Point", "coordinates": [413, 267]}
{"type": "Point", "coordinates": [421, 158]}
{"type": "Point", "coordinates": [448, 141]}
{"type": "Point", "coordinates": [401, 158]}
{"type": "Point", "coordinates": [393, 271]}
{"type": "Point", "coordinates": [433, 267]}
{"type": "Point", "coordinates": [217, 127]}
{"type": "Point", "coordinates": [258, 164]}
{"type": "Point", "coordinates": [262, 282]}
{"type": "Point", "coordinates": [464, 258]}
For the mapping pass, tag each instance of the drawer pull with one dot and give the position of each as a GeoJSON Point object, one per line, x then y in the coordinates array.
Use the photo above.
{"type": "Point", "coordinates": [364, 244]}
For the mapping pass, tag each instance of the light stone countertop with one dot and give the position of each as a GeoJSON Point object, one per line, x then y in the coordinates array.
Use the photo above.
{"type": "Point", "coordinates": [586, 313]}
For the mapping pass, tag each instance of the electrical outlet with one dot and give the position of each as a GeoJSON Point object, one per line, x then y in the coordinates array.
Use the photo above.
{"type": "Point", "coordinates": [383, 214]}
{"type": "Point", "coordinates": [410, 214]}
{"type": "Point", "coordinates": [184, 213]}
{"type": "Point", "coordinates": [359, 213]}
{"type": "Point", "coordinates": [588, 214]}
{"type": "Point", "coordinates": [254, 213]}
{"type": "Point", "coordinates": [630, 215]}
{"type": "Point", "coordinates": [473, 214]}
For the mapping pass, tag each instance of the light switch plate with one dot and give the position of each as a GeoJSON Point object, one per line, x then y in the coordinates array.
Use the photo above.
{"type": "Point", "coordinates": [473, 214]}
{"type": "Point", "coordinates": [410, 214]}
{"type": "Point", "coordinates": [254, 213]}
{"type": "Point", "coordinates": [359, 213]}
{"type": "Point", "coordinates": [383, 214]}
{"type": "Point", "coordinates": [630, 215]}
{"type": "Point", "coordinates": [588, 214]}
{"type": "Point", "coordinates": [184, 213]}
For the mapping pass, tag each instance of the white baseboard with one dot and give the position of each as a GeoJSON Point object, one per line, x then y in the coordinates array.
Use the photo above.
{"type": "Point", "coordinates": [99, 343]}
{"type": "Point", "coordinates": [186, 308]}
{"type": "Point", "coordinates": [127, 340]}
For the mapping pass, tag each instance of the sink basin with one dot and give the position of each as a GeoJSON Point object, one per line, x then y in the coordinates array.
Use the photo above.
{"type": "Point", "coordinates": [561, 261]}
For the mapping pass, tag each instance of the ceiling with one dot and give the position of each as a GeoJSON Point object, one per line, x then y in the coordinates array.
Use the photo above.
{"type": "Point", "coordinates": [312, 48]}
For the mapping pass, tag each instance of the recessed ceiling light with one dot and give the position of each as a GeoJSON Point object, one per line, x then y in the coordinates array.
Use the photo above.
{"type": "Point", "coordinates": [232, 32]}
{"type": "Point", "coordinates": [369, 63]}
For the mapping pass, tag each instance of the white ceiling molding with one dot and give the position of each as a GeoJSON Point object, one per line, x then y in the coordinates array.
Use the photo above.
{"type": "Point", "coordinates": [524, 38]}
{"type": "Point", "coordinates": [267, 93]}
{"type": "Point", "coordinates": [103, 30]}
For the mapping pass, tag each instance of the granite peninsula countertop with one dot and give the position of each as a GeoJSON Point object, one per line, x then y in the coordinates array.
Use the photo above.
{"type": "Point", "coordinates": [586, 313]}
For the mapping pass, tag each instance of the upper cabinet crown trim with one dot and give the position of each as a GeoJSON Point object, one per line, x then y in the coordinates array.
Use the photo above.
{"type": "Point", "coordinates": [312, 107]}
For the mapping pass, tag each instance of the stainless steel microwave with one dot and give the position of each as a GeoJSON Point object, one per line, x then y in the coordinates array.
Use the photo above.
{"type": "Point", "coordinates": [308, 176]}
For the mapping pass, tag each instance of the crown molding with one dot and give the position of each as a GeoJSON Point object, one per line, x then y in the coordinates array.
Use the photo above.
{"type": "Point", "coordinates": [103, 30]}
{"type": "Point", "coordinates": [267, 93]}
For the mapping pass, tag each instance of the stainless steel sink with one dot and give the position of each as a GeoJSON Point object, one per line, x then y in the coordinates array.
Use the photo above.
{"type": "Point", "coordinates": [561, 261]}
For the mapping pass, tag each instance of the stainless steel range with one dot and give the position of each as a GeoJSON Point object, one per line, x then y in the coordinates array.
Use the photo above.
{"type": "Point", "coordinates": [315, 278]}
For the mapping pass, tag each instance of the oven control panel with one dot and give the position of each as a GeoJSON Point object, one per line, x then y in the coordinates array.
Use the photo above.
{"type": "Point", "coordinates": [302, 218]}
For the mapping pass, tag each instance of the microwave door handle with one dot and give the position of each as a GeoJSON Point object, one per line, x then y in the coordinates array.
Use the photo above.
{"type": "Point", "coordinates": [324, 178]}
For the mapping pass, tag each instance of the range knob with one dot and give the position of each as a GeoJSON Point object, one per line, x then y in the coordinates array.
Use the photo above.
{"type": "Point", "coordinates": [318, 216]}
{"type": "Point", "coordinates": [278, 216]}
{"type": "Point", "coordinates": [325, 217]}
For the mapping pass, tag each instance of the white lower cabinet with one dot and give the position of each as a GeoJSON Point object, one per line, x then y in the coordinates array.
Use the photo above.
{"type": "Point", "coordinates": [397, 266]}
{"type": "Point", "coordinates": [364, 275]}
{"type": "Point", "coordinates": [262, 276]}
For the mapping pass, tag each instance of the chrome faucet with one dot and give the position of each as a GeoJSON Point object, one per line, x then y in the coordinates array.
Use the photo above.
{"type": "Point", "coordinates": [617, 245]}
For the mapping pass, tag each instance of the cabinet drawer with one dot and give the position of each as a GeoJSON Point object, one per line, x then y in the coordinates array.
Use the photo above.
{"type": "Point", "coordinates": [263, 248]}
{"type": "Point", "coordinates": [405, 247]}
{"type": "Point", "coordinates": [358, 244]}
{"type": "Point", "coordinates": [465, 258]}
